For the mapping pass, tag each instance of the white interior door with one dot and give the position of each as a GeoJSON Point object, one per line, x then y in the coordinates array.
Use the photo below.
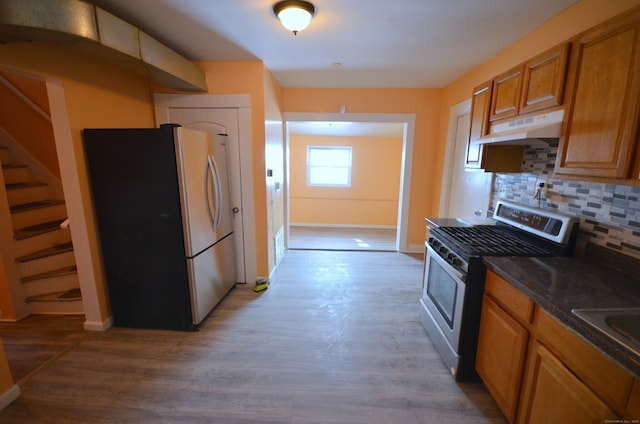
{"type": "Point", "coordinates": [464, 193]}
{"type": "Point", "coordinates": [192, 112]}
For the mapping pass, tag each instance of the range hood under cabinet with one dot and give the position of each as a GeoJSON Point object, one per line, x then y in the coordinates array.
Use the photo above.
{"type": "Point", "coordinates": [526, 130]}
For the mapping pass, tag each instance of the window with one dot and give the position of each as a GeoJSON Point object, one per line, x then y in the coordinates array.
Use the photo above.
{"type": "Point", "coordinates": [329, 166]}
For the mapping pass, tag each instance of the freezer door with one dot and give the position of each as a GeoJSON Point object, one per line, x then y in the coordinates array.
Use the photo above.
{"type": "Point", "coordinates": [211, 275]}
{"type": "Point", "coordinates": [192, 150]}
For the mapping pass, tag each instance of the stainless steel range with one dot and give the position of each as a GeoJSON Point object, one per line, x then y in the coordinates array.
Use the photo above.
{"type": "Point", "coordinates": [453, 281]}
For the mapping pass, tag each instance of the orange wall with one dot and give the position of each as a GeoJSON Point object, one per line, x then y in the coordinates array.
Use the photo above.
{"type": "Point", "coordinates": [248, 78]}
{"type": "Point", "coordinates": [423, 102]}
{"type": "Point", "coordinates": [97, 94]}
{"type": "Point", "coordinates": [570, 22]}
{"type": "Point", "coordinates": [274, 160]}
{"type": "Point", "coordinates": [372, 198]}
{"type": "Point", "coordinates": [266, 137]}
{"type": "Point", "coordinates": [35, 90]}
{"type": "Point", "coordinates": [24, 124]}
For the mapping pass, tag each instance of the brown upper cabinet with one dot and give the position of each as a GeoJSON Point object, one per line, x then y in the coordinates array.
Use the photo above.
{"type": "Point", "coordinates": [488, 158]}
{"type": "Point", "coordinates": [534, 85]}
{"type": "Point", "coordinates": [543, 80]}
{"type": "Point", "coordinates": [480, 102]}
{"type": "Point", "coordinates": [600, 131]}
{"type": "Point", "coordinates": [507, 88]}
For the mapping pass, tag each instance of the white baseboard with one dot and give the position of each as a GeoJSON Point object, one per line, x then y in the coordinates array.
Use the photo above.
{"type": "Point", "coordinates": [414, 248]}
{"type": "Point", "coordinates": [97, 325]}
{"type": "Point", "coordinates": [15, 319]}
{"type": "Point", "coordinates": [310, 224]}
{"type": "Point", "coordinates": [273, 276]}
{"type": "Point", "coordinates": [9, 396]}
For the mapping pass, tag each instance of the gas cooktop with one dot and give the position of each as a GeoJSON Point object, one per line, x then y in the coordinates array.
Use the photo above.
{"type": "Point", "coordinates": [518, 231]}
{"type": "Point", "coordinates": [488, 240]}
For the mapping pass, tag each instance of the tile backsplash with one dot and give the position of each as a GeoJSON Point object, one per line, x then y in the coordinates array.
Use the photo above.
{"type": "Point", "coordinates": [609, 213]}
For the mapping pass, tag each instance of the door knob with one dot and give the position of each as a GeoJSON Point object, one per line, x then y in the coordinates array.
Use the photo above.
{"type": "Point", "coordinates": [235, 209]}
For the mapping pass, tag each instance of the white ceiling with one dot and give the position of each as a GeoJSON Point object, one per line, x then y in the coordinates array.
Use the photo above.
{"type": "Point", "coordinates": [352, 129]}
{"type": "Point", "coordinates": [379, 43]}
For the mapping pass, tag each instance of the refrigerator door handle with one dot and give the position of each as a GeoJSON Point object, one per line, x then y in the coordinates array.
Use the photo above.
{"type": "Point", "coordinates": [217, 200]}
{"type": "Point", "coordinates": [207, 189]}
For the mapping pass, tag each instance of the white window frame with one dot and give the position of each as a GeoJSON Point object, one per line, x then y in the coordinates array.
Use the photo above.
{"type": "Point", "coordinates": [348, 167]}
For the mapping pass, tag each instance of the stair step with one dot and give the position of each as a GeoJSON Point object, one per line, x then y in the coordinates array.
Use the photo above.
{"type": "Point", "coordinates": [26, 215]}
{"type": "Point", "coordinates": [54, 283]}
{"type": "Point", "coordinates": [36, 230]}
{"type": "Point", "coordinates": [4, 155]}
{"type": "Point", "coordinates": [26, 192]}
{"type": "Point", "coordinates": [15, 173]}
{"type": "Point", "coordinates": [35, 205]}
{"type": "Point", "coordinates": [67, 270]}
{"type": "Point", "coordinates": [57, 303]}
{"type": "Point", "coordinates": [45, 264]}
{"type": "Point", "coordinates": [75, 307]}
{"type": "Point", "coordinates": [57, 283]}
{"type": "Point", "coordinates": [50, 251]}
{"type": "Point", "coordinates": [62, 296]}
{"type": "Point", "coordinates": [42, 241]}
{"type": "Point", "coordinates": [24, 184]}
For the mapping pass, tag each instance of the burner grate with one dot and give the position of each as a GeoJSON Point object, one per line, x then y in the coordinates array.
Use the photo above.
{"type": "Point", "coordinates": [489, 240]}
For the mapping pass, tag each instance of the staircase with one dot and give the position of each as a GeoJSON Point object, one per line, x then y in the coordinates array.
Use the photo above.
{"type": "Point", "coordinates": [43, 250]}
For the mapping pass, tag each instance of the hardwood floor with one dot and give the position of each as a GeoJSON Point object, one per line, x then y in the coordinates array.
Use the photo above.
{"type": "Point", "coordinates": [339, 238]}
{"type": "Point", "coordinates": [38, 339]}
{"type": "Point", "coordinates": [335, 339]}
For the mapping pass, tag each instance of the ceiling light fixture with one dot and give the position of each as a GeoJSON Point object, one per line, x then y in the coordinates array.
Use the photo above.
{"type": "Point", "coordinates": [295, 15]}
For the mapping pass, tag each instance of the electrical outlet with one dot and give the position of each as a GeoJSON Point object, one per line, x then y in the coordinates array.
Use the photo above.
{"type": "Point", "coordinates": [542, 191]}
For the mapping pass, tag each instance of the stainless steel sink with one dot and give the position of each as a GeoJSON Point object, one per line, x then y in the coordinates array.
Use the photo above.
{"type": "Point", "coordinates": [621, 324]}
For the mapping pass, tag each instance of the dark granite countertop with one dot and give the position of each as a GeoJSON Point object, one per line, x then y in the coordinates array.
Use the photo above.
{"type": "Point", "coordinates": [444, 222]}
{"type": "Point", "coordinates": [458, 222]}
{"type": "Point", "coordinates": [559, 285]}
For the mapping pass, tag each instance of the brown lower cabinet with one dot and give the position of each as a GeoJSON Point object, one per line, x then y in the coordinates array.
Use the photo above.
{"type": "Point", "coordinates": [540, 371]}
{"type": "Point", "coordinates": [502, 347]}
{"type": "Point", "coordinates": [558, 396]}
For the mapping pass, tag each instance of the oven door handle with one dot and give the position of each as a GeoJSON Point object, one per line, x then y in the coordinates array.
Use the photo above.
{"type": "Point", "coordinates": [446, 265]}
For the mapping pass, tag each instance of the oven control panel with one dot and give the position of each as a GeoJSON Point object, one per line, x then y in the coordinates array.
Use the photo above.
{"type": "Point", "coordinates": [550, 225]}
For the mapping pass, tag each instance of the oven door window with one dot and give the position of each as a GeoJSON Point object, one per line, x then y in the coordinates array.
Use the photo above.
{"type": "Point", "coordinates": [442, 289]}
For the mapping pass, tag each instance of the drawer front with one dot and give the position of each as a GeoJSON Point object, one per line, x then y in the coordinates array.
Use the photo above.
{"type": "Point", "coordinates": [605, 377]}
{"type": "Point", "coordinates": [510, 298]}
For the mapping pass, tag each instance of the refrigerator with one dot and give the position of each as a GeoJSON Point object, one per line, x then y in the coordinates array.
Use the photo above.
{"type": "Point", "coordinates": [162, 210]}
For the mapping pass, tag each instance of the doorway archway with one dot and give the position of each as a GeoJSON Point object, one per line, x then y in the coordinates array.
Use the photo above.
{"type": "Point", "coordinates": [408, 121]}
